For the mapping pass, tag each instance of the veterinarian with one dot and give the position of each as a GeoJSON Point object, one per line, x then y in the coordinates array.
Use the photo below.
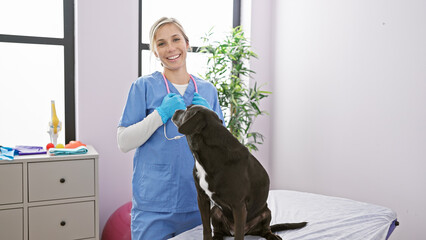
{"type": "Point", "coordinates": [164, 195]}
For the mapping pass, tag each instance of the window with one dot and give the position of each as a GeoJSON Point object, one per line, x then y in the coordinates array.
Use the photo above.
{"type": "Point", "coordinates": [196, 17]}
{"type": "Point", "coordinates": [36, 66]}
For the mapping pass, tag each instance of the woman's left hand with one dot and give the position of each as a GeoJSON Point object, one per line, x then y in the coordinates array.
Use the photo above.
{"type": "Point", "coordinates": [198, 100]}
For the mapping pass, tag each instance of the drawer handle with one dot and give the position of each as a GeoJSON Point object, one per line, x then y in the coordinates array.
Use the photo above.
{"type": "Point", "coordinates": [62, 180]}
{"type": "Point", "coordinates": [63, 223]}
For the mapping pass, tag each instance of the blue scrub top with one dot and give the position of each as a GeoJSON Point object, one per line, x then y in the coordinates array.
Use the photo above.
{"type": "Point", "coordinates": [162, 169]}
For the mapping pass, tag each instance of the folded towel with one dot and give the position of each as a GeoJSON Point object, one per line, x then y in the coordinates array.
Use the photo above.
{"type": "Point", "coordinates": [68, 151]}
{"type": "Point", "coordinates": [7, 153]}
{"type": "Point", "coordinates": [28, 150]}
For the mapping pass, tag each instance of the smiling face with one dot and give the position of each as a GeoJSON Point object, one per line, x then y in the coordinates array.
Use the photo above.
{"type": "Point", "coordinates": [171, 47]}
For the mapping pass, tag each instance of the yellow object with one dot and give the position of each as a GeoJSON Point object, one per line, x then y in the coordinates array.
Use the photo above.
{"type": "Point", "coordinates": [60, 146]}
{"type": "Point", "coordinates": [55, 120]}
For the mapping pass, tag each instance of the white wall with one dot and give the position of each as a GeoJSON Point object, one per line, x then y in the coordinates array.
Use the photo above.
{"type": "Point", "coordinates": [106, 61]}
{"type": "Point", "coordinates": [348, 106]}
{"type": "Point", "coordinates": [260, 29]}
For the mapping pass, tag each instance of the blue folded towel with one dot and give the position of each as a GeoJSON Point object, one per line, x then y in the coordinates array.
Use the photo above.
{"type": "Point", "coordinates": [8, 153]}
{"type": "Point", "coordinates": [68, 151]}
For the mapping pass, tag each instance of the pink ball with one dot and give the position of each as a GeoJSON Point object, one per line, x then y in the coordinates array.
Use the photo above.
{"type": "Point", "coordinates": [118, 225]}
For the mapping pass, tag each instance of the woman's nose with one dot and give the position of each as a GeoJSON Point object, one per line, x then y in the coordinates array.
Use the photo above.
{"type": "Point", "coordinates": [171, 47]}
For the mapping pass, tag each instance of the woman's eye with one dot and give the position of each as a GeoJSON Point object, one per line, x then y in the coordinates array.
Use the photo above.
{"type": "Point", "coordinates": [176, 39]}
{"type": "Point", "coordinates": [160, 44]}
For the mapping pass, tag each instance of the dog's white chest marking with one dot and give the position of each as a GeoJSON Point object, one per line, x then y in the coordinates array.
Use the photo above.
{"type": "Point", "coordinates": [201, 174]}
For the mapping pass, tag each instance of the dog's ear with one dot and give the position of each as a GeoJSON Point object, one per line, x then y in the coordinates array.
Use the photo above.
{"type": "Point", "coordinates": [193, 124]}
{"type": "Point", "coordinates": [216, 117]}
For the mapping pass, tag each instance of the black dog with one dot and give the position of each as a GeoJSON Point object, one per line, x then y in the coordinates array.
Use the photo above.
{"type": "Point", "coordinates": [228, 177]}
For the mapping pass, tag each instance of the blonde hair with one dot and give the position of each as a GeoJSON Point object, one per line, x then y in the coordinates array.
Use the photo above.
{"type": "Point", "coordinates": [161, 22]}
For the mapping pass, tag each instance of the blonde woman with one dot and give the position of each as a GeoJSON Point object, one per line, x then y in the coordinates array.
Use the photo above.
{"type": "Point", "coordinates": [164, 195]}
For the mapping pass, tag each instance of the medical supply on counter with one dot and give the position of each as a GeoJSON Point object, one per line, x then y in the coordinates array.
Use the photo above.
{"type": "Point", "coordinates": [67, 151]}
{"type": "Point", "coordinates": [74, 144]}
{"type": "Point", "coordinates": [7, 153]}
{"type": "Point", "coordinates": [30, 150]}
{"type": "Point", "coordinates": [54, 125]}
{"type": "Point", "coordinates": [49, 146]}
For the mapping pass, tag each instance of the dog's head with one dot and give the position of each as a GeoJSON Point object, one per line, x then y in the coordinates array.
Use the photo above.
{"type": "Point", "coordinates": [194, 119]}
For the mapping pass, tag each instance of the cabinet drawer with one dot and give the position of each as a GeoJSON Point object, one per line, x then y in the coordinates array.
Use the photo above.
{"type": "Point", "coordinates": [11, 224]}
{"type": "Point", "coordinates": [63, 221]}
{"type": "Point", "coordinates": [10, 183]}
{"type": "Point", "coordinates": [62, 179]}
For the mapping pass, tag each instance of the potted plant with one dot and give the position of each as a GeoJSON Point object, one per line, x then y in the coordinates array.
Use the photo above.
{"type": "Point", "coordinates": [227, 70]}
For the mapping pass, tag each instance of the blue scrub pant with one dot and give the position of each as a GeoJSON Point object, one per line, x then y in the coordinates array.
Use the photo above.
{"type": "Point", "coordinates": [160, 226]}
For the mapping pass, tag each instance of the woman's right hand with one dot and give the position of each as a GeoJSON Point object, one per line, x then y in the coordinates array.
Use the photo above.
{"type": "Point", "coordinates": [171, 103]}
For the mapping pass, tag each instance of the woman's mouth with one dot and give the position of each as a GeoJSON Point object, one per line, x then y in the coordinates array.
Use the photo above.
{"type": "Point", "coordinates": [173, 57]}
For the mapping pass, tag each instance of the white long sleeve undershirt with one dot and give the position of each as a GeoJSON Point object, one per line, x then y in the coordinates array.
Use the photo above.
{"type": "Point", "coordinates": [133, 136]}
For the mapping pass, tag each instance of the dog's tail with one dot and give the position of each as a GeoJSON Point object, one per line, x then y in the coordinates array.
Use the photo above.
{"type": "Point", "coordinates": [287, 226]}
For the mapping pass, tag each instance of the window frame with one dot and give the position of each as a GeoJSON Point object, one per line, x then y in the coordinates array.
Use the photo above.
{"type": "Point", "coordinates": [236, 21]}
{"type": "Point", "coordinates": [68, 42]}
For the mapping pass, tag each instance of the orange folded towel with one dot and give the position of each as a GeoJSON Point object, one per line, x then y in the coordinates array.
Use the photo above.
{"type": "Point", "coordinates": [74, 144]}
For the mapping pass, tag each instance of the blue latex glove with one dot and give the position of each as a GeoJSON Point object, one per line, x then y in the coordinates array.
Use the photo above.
{"type": "Point", "coordinates": [198, 100]}
{"type": "Point", "coordinates": [171, 103]}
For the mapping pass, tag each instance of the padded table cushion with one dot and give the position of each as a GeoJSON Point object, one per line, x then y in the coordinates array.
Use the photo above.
{"type": "Point", "coordinates": [328, 218]}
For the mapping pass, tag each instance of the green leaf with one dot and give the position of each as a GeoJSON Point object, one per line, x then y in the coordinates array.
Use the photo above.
{"type": "Point", "coordinates": [226, 65]}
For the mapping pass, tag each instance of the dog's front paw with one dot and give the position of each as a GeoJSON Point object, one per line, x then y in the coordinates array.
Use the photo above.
{"type": "Point", "coordinates": [217, 237]}
{"type": "Point", "coordinates": [207, 237]}
{"type": "Point", "coordinates": [274, 237]}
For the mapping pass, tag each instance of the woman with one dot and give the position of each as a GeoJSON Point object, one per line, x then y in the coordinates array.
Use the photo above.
{"type": "Point", "coordinates": [164, 195]}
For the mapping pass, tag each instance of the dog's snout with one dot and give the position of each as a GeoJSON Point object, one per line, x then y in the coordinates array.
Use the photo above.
{"type": "Point", "coordinates": [179, 111]}
{"type": "Point", "coordinates": [177, 115]}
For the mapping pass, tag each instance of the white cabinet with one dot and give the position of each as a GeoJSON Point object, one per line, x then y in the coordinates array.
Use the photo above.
{"type": "Point", "coordinates": [11, 224]}
{"type": "Point", "coordinates": [61, 179]}
{"type": "Point", "coordinates": [62, 221]}
{"type": "Point", "coordinates": [50, 197]}
{"type": "Point", "coordinates": [10, 183]}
